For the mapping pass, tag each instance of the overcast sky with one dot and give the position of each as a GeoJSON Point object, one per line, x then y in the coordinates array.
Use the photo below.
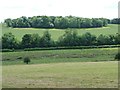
{"type": "Point", "coordinates": [81, 8]}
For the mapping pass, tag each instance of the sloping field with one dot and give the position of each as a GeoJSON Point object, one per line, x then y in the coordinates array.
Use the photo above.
{"type": "Point", "coordinates": [56, 56]}
{"type": "Point", "coordinates": [55, 33]}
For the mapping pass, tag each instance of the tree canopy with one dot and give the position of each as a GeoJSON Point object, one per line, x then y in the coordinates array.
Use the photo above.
{"type": "Point", "coordinates": [56, 22]}
{"type": "Point", "coordinates": [69, 38]}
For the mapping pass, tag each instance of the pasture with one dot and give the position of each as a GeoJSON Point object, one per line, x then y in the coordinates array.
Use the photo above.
{"type": "Point", "coordinates": [56, 33]}
{"type": "Point", "coordinates": [62, 75]}
{"type": "Point", "coordinates": [77, 68]}
{"type": "Point", "coordinates": [71, 68]}
{"type": "Point", "coordinates": [56, 56]}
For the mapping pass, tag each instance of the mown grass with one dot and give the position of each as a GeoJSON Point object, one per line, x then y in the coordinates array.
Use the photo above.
{"type": "Point", "coordinates": [56, 33]}
{"type": "Point", "coordinates": [62, 75]}
{"type": "Point", "coordinates": [55, 56]}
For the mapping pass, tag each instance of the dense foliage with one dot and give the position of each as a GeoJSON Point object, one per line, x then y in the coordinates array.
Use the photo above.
{"type": "Point", "coordinates": [9, 41]}
{"type": "Point", "coordinates": [70, 38]}
{"type": "Point", "coordinates": [115, 21]}
{"type": "Point", "coordinates": [56, 22]}
{"type": "Point", "coordinates": [26, 60]}
{"type": "Point", "coordinates": [117, 56]}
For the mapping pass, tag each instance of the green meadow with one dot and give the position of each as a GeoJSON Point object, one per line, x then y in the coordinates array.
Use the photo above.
{"type": "Point", "coordinates": [62, 75]}
{"type": "Point", "coordinates": [87, 68]}
{"type": "Point", "coordinates": [56, 33]}
{"type": "Point", "coordinates": [70, 68]}
{"type": "Point", "coordinates": [56, 56]}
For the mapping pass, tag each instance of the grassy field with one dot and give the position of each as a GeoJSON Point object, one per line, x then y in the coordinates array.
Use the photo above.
{"type": "Point", "coordinates": [56, 75]}
{"type": "Point", "coordinates": [55, 33]}
{"type": "Point", "coordinates": [55, 56]}
{"type": "Point", "coordinates": [73, 68]}
{"type": "Point", "coordinates": [78, 68]}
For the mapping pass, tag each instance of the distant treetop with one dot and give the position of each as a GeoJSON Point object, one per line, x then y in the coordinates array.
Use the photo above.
{"type": "Point", "coordinates": [56, 22]}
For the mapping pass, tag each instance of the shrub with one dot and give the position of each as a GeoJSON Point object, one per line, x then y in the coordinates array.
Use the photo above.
{"type": "Point", "coordinates": [26, 60]}
{"type": "Point", "coordinates": [117, 56]}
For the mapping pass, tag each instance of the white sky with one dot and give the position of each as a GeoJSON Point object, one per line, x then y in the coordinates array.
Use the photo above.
{"type": "Point", "coordinates": [81, 8]}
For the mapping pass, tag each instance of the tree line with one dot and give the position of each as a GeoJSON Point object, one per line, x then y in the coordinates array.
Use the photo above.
{"type": "Point", "coordinates": [56, 22]}
{"type": "Point", "coordinates": [70, 38]}
{"type": "Point", "coordinates": [115, 21]}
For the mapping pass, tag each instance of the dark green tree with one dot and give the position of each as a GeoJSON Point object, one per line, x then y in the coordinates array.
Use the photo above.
{"type": "Point", "coordinates": [102, 40]}
{"type": "Point", "coordinates": [72, 22]}
{"type": "Point", "coordinates": [117, 38]}
{"type": "Point", "coordinates": [86, 23]}
{"type": "Point", "coordinates": [115, 21]}
{"type": "Point", "coordinates": [46, 40]}
{"type": "Point", "coordinates": [8, 22]}
{"type": "Point", "coordinates": [35, 40]}
{"type": "Point", "coordinates": [70, 38]}
{"type": "Point", "coordinates": [26, 41]}
{"type": "Point", "coordinates": [9, 41]}
{"type": "Point", "coordinates": [97, 22]}
{"type": "Point", "coordinates": [61, 22]}
{"type": "Point", "coordinates": [88, 39]}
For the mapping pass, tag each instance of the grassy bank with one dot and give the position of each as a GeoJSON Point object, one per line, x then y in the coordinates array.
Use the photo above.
{"type": "Point", "coordinates": [50, 56]}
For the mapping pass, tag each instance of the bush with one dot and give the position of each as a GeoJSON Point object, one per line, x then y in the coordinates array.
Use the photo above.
{"type": "Point", "coordinates": [117, 56]}
{"type": "Point", "coordinates": [26, 60]}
